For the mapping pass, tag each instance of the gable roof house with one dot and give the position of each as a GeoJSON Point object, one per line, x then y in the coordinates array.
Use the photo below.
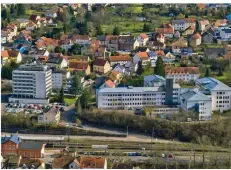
{"type": "Point", "coordinates": [188, 31]}
{"type": "Point", "coordinates": [122, 59]}
{"type": "Point", "coordinates": [10, 55]}
{"type": "Point", "coordinates": [202, 24]}
{"type": "Point", "coordinates": [81, 39]}
{"type": "Point", "coordinates": [182, 24]}
{"type": "Point", "coordinates": [101, 66]}
{"type": "Point", "coordinates": [21, 22]}
{"type": "Point", "coordinates": [108, 84]}
{"type": "Point", "coordinates": [57, 62]}
{"type": "Point", "coordinates": [34, 17]}
{"type": "Point", "coordinates": [167, 30]}
{"type": "Point", "coordinates": [195, 40]}
{"type": "Point", "coordinates": [180, 43]}
{"type": "Point", "coordinates": [141, 56]}
{"type": "Point", "coordinates": [65, 162]}
{"type": "Point", "coordinates": [208, 36]}
{"type": "Point", "coordinates": [142, 39]}
{"type": "Point", "coordinates": [53, 12]}
{"type": "Point", "coordinates": [51, 116]}
{"type": "Point", "coordinates": [112, 42]}
{"type": "Point", "coordinates": [46, 43]}
{"type": "Point", "coordinates": [31, 26]}
{"type": "Point", "coordinates": [127, 43]}
{"type": "Point", "coordinates": [220, 22]}
{"type": "Point", "coordinates": [82, 66]}
{"type": "Point", "coordinates": [93, 163]}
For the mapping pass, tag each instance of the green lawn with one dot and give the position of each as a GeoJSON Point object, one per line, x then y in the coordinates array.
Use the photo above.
{"type": "Point", "coordinates": [70, 100]}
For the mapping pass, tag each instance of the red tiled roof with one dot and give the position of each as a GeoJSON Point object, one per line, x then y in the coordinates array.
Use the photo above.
{"type": "Point", "coordinates": [44, 42]}
{"type": "Point", "coordinates": [110, 83]}
{"type": "Point", "coordinates": [9, 53]}
{"type": "Point", "coordinates": [142, 55]}
{"type": "Point", "coordinates": [78, 65]}
{"type": "Point", "coordinates": [165, 30]}
{"type": "Point", "coordinates": [120, 58]}
{"type": "Point", "coordinates": [143, 36]}
{"type": "Point", "coordinates": [196, 36]}
{"type": "Point", "coordinates": [100, 62]}
{"type": "Point", "coordinates": [204, 22]}
{"type": "Point", "coordinates": [80, 37]}
{"type": "Point", "coordinates": [182, 70]}
{"type": "Point", "coordinates": [160, 53]}
{"type": "Point", "coordinates": [92, 162]}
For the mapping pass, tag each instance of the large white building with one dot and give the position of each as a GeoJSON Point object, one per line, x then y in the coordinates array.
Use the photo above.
{"type": "Point", "coordinates": [137, 97]}
{"type": "Point", "coordinates": [219, 92]}
{"type": "Point", "coordinates": [31, 83]}
{"type": "Point", "coordinates": [59, 78]}
{"type": "Point", "coordinates": [193, 100]}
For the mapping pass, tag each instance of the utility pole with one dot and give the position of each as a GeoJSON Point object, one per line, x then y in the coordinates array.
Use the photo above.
{"type": "Point", "coordinates": [127, 130]}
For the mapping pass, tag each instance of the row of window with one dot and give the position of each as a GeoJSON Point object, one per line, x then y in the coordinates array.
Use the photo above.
{"type": "Point", "coordinates": [144, 103]}
{"type": "Point", "coordinates": [223, 102]}
{"type": "Point", "coordinates": [131, 99]}
{"type": "Point", "coordinates": [153, 94]}
{"type": "Point", "coordinates": [221, 106]}
{"type": "Point", "coordinates": [224, 97]}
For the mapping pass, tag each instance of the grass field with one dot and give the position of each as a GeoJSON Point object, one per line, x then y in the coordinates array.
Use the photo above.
{"type": "Point", "coordinates": [70, 100]}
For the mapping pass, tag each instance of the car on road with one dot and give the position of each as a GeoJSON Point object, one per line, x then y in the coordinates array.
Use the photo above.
{"type": "Point", "coordinates": [170, 156]}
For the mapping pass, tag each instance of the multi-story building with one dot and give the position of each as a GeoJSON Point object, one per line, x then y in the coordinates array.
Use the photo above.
{"type": "Point", "coordinates": [122, 59]}
{"type": "Point", "coordinates": [59, 78]}
{"type": "Point", "coordinates": [181, 25]}
{"type": "Point", "coordinates": [185, 74]}
{"type": "Point", "coordinates": [31, 83]}
{"type": "Point", "coordinates": [137, 97]}
{"type": "Point", "coordinates": [219, 92]}
{"type": "Point", "coordinates": [195, 101]}
{"type": "Point", "coordinates": [51, 116]}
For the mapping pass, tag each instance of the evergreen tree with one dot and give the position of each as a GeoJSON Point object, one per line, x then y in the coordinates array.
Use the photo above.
{"type": "Point", "coordinates": [207, 73]}
{"type": "Point", "coordinates": [12, 9]}
{"type": "Point", "coordinates": [5, 14]}
{"type": "Point", "coordinates": [77, 86]}
{"type": "Point", "coordinates": [139, 70]}
{"type": "Point", "coordinates": [21, 9]}
{"type": "Point", "coordinates": [99, 30]}
{"type": "Point", "coordinates": [220, 72]}
{"type": "Point", "coordinates": [197, 26]}
{"type": "Point", "coordinates": [116, 31]}
{"type": "Point", "coordinates": [78, 107]}
{"type": "Point", "coordinates": [58, 49]}
{"type": "Point", "coordinates": [159, 69]}
{"type": "Point", "coordinates": [61, 96]}
{"type": "Point", "coordinates": [85, 98]}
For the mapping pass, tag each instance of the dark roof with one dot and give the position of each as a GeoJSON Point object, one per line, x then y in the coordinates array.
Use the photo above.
{"type": "Point", "coordinates": [101, 37]}
{"type": "Point", "coordinates": [210, 31]}
{"type": "Point", "coordinates": [30, 145]}
{"type": "Point", "coordinates": [55, 60]}
{"type": "Point", "coordinates": [127, 39]}
{"type": "Point", "coordinates": [100, 62]}
{"type": "Point", "coordinates": [227, 30]}
{"type": "Point", "coordinates": [33, 17]}
{"type": "Point", "coordinates": [14, 138]}
{"type": "Point", "coordinates": [214, 52]}
{"type": "Point", "coordinates": [62, 162]}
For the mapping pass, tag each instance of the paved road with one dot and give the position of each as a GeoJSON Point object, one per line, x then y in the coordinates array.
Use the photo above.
{"type": "Point", "coordinates": [67, 116]}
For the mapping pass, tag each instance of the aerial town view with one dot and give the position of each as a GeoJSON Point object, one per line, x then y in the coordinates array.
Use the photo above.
{"type": "Point", "coordinates": [115, 86]}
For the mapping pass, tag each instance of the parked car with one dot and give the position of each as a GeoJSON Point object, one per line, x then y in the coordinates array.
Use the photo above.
{"type": "Point", "coordinates": [170, 156]}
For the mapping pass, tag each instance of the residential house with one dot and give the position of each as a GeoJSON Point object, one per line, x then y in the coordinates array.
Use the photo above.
{"type": "Point", "coordinates": [93, 163]}
{"type": "Point", "coordinates": [167, 30]}
{"type": "Point", "coordinates": [12, 161]}
{"type": "Point", "coordinates": [24, 38]}
{"type": "Point", "coordinates": [185, 74]}
{"type": "Point", "coordinates": [225, 33]}
{"type": "Point", "coordinates": [213, 53]}
{"type": "Point", "coordinates": [51, 116]}
{"type": "Point", "coordinates": [65, 162]}
{"type": "Point", "coordinates": [119, 68]}
{"type": "Point", "coordinates": [208, 36]}
{"type": "Point", "coordinates": [108, 84]}
{"type": "Point", "coordinates": [102, 53]}
{"type": "Point", "coordinates": [31, 26]}
{"type": "Point", "coordinates": [141, 56]}
{"type": "Point", "coordinates": [188, 31]}
{"type": "Point", "coordinates": [42, 59]}
{"type": "Point", "coordinates": [78, 58]}
{"type": "Point", "coordinates": [26, 163]}
{"type": "Point", "coordinates": [34, 17]}
{"type": "Point", "coordinates": [196, 101]}
{"type": "Point", "coordinates": [160, 53]}
{"type": "Point", "coordinates": [195, 40]}
{"type": "Point", "coordinates": [53, 12]}
{"type": "Point", "coordinates": [169, 58]}
{"type": "Point", "coordinates": [46, 43]}
{"type": "Point", "coordinates": [131, 67]}
{"type": "Point", "coordinates": [122, 59]}
{"type": "Point", "coordinates": [57, 62]}
{"type": "Point", "coordinates": [112, 42]}
{"type": "Point", "coordinates": [39, 53]}
{"type": "Point", "coordinates": [10, 55]}
{"type": "Point", "coordinates": [153, 58]}
{"type": "Point", "coordinates": [21, 23]}
{"type": "Point", "coordinates": [178, 44]}
{"type": "Point", "coordinates": [127, 43]}
{"type": "Point", "coordinates": [66, 44]}
{"type": "Point", "coordinates": [154, 45]}
{"type": "Point", "coordinates": [101, 66]}
{"type": "Point", "coordinates": [182, 24]}
{"type": "Point", "coordinates": [115, 76]}
{"type": "Point", "coordinates": [159, 38]}
{"type": "Point", "coordinates": [142, 39]}
{"type": "Point", "coordinates": [202, 24]}
{"type": "Point", "coordinates": [154, 80]}
{"type": "Point", "coordinates": [220, 23]}
{"type": "Point", "coordinates": [102, 39]}
{"type": "Point", "coordinates": [177, 34]}
{"type": "Point", "coordinates": [81, 39]}
{"type": "Point", "coordinates": [79, 66]}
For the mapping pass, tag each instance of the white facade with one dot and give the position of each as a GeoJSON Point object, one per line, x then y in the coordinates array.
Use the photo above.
{"type": "Point", "coordinates": [31, 82]}
{"type": "Point", "coordinates": [225, 34]}
{"type": "Point", "coordinates": [59, 79]}
{"type": "Point", "coordinates": [142, 41]}
{"type": "Point", "coordinates": [183, 77]}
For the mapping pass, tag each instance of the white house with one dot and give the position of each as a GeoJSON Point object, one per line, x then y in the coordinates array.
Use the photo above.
{"type": "Point", "coordinates": [225, 33]}
{"type": "Point", "coordinates": [185, 74]}
{"type": "Point", "coordinates": [81, 39]}
{"type": "Point", "coordinates": [142, 39]}
{"type": "Point", "coordinates": [122, 59]}
{"type": "Point", "coordinates": [141, 56]}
